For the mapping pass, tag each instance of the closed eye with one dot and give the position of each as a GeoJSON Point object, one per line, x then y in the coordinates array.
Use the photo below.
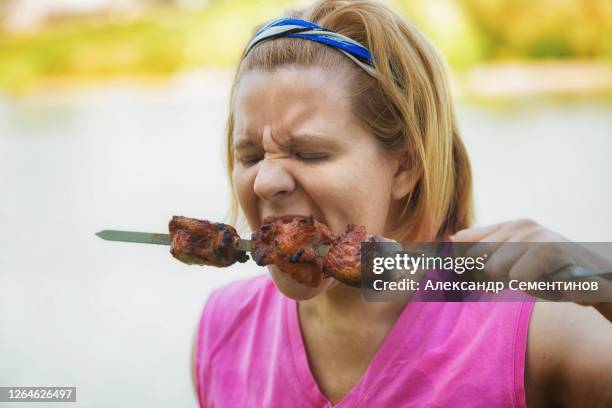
{"type": "Point", "coordinates": [249, 160]}
{"type": "Point", "coordinates": [311, 156]}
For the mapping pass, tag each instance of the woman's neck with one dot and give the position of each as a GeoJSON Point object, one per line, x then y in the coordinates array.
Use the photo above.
{"type": "Point", "coordinates": [342, 305]}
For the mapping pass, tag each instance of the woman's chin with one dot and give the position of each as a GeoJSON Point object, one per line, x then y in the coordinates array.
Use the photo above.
{"type": "Point", "coordinates": [293, 289]}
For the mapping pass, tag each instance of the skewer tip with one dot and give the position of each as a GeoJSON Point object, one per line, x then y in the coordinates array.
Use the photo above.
{"type": "Point", "coordinates": [101, 234]}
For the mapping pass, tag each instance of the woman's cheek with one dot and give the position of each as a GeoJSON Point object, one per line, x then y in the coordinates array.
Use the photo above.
{"type": "Point", "coordinates": [357, 198]}
{"type": "Point", "coordinates": [243, 185]}
{"type": "Point", "coordinates": [329, 196]}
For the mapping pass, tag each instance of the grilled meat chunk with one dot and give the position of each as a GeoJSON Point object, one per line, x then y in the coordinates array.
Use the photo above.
{"type": "Point", "coordinates": [343, 259]}
{"type": "Point", "coordinates": [290, 245]}
{"type": "Point", "coordinates": [204, 243]}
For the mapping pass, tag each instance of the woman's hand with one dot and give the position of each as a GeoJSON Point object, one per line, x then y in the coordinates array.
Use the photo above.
{"type": "Point", "coordinates": [525, 251]}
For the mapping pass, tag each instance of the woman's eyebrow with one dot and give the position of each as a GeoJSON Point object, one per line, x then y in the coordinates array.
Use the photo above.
{"type": "Point", "coordinates": [306, 137]}
{"type": "Point", "coordinates": [301, 139]}
{"type": "Point", "coordinates": [245, 144]}
{"type": "Point", "coordinates": [295, 139]}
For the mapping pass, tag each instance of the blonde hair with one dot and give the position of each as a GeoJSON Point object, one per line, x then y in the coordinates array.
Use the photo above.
{"type": "Point", "coordinates": [407, 107]}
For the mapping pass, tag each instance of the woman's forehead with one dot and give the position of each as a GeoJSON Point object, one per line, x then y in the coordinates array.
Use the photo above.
{"type": "Point", "coordinates": [290, 79]}
{"type": "Point", "coordinates": [294, 101]}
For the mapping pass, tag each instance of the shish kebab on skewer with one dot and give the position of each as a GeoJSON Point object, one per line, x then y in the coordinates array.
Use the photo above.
{"type": "Point", "coordinates": [300, 246]}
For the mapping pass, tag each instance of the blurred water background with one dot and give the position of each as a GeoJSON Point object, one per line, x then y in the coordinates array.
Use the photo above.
{"type": "Point", "coordinates": [112, 116]}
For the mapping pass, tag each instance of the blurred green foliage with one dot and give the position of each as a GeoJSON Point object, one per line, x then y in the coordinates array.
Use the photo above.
{"type": "Point", "coordinates": [473, 31]}
{"type": "Point", "coordinates": [164, 41]}
{"type": "Point", "coordinates": [543, 28]}
{"type": "Point", "coordinates": [468, 32]}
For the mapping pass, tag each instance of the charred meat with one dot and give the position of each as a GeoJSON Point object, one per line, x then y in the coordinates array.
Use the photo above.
{"type": "Point", "coordinates": [290, 245]}
{"type": "Point", "coordinates": [204, 243]}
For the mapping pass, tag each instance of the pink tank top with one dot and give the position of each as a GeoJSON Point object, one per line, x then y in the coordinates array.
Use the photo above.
{"type": "Point", "coordinates": [250, 353]}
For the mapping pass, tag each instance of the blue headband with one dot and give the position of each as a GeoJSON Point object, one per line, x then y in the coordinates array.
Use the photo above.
{"type": "Point", "coordinates": [296, 28]}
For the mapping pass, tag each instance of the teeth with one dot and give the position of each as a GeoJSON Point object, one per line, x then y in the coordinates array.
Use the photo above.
{"type": "Point", "coordinates": [290, 217]}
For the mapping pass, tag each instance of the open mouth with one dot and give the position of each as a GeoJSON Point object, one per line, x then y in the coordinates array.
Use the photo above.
{"type": "Point", "coordinates": [285, 218]}
{"type": "Point", "coordinates": [291, 241]}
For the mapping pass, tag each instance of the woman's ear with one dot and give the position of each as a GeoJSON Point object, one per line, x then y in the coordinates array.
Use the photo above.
{"type": "Point", "coordinates": [406, 176]}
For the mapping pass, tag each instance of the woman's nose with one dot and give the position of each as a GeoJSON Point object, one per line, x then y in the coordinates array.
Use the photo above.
{"type": "Point", "coordinates": [272, 180]}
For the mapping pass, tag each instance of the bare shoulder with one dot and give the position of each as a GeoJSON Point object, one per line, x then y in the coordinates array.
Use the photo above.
{"type": "Point", "coordinates": [568, 356]}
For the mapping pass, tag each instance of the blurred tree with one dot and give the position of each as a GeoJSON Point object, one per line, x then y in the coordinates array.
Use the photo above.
{"type": "Point", "coordinates": [542, 28]}
{"type": "Point", "coordinates": [199, 33]}
{"type": "Point", "coordinates": [446, 24]}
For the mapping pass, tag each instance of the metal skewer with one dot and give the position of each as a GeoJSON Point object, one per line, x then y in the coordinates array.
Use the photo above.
{"type": "Point", "coordinates": [568, 272]}
{"type": "Point", "coordinates": [164, 239]}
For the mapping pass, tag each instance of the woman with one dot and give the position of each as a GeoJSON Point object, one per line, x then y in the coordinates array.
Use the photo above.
{"type": "Point", "coordinates": [355, 125]}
